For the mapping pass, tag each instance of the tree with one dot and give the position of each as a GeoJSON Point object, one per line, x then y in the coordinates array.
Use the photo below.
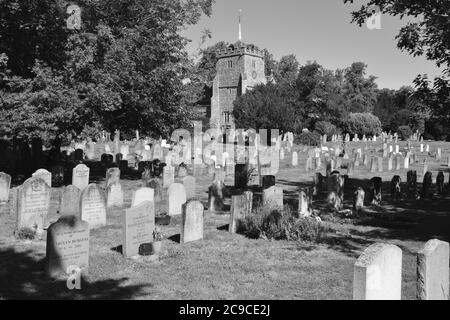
{"type": "Point", "coordinates": [359, 92]}
{"type": "Point", "coordinates": [123, 70]}
{"type": "Point", "coordinates": [265, 107]}
{"type": "Point", "coordinates": [286, 70]}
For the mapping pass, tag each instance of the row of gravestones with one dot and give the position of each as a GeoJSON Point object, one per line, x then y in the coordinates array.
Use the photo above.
{"type": "Point", "coordinates": [378, 272]}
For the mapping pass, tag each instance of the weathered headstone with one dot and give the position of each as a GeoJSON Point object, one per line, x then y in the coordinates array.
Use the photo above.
{"type": "Point", "coordinates": [440, 183]}
{"type": "Point", "coordinates": [433, 271]}
{"type": "Point", "coordinates": [358, 200]}
{"type": "Point", "coordinates": [168, 176]}
{"type": "Point", "coordinates": [33, 205]}
{"type": "Point", "coordinates": [411, 184]}
{"type": "Point", "coordinates": [237, 212]}
{"type": "Point", "coordinates": [294, 159]}
{"type": "Point", "coordinates": [44, 175]}
{"type": "Point", "coordinates": [92, 205]}
{"type": "Point", "coordinates": [273, 197]}
{"type": "Point", "coordinates": [5, 183]}
{"type": "Point", "coordinates": [80, 176]}
{"type": "Point", "coordinates": [138, 227]}
{"type": "Point", "coordinates": [303, 204]}
{"type": "Point", "coordinates": [192, 222]}
{"type": "Point", "coordinates": [378, 273]}
{"type": "Point", "coordinates": [268, 181]}
{"type": "Point", "coordinates": [216, 196]}
{"type": "Point", "coordinates": [70, 201]}
{"type": "Point", "coordinates": [114, 196]}
{"type": "Point", "coordinates": [427, 186]}
{"type": "Point", "coordinates": [67, 246]}
{"type": "Point", "coordinates": [176, 198]}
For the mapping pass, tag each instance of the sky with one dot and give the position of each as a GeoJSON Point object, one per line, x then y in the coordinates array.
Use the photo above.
{"type": "Point", "coordinates": [315, 30]}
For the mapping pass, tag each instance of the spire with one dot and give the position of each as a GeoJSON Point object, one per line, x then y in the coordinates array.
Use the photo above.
{"type": "Point", "coordinates": [240, 26]}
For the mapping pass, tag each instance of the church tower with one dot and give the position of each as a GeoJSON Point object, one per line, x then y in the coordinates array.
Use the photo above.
{"type": "Point", "coordinates": [239, 68]}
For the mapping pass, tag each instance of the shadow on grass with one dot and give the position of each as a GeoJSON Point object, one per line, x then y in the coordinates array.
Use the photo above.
{"type": "Point", "coordinates": [22, 276]}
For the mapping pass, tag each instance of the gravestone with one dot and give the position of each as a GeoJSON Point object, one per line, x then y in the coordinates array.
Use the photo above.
{"type": "Point", "coordinates": [376, 190]}
{"type": "Point", "coordinates": [123, 166]}
{"type": "Point", "coordinates": [192, 222]}
{"type": "Point", "coordinates": [303, 204]}
{"type": "Point", "coordinates": [67, 246]}
{"type": "Point", "coordinates": [92, 205]}
{"type": "Point", "coordinates": [33, 205]}
{"type": "Point", "coordinates": [176, 198]}
{"type": "Point", "coordinates": [112, 176]}
{"type": "Point", "coordinates": [216, 196]}
{"type": "Point", "coordinates": [189, 185]}
{"type": "Point", "coordinates": [5, 184]}
{"type": "Point", "coordinates": [412, 184]}
{"type": "Point", "coordinates": [143, 195]}
{"type": "Point", "coordinates": [396, 188]}
{"type": "Point", "coordinates": [238, 211]}
{"type": "Point", "coordinates": [138, 227]}
{"type": "Point", "coordinates": [318, 183]}
{"type": "Point", "coordinates": [90, 151]}
{"type": "Point", "coordinates": [390, 163]}
{"type": "Point", "coordinates": [427, 185]}
{"type": "Point", "coordinates": [440, 183]}
{"type": "Point", "coordinates": [358, 200]}
{"type": "Point", "coordinates": [44, 175]}
{"type": "Point", "coordinates": [70, 201]}
{"type": "Point", "coordinates": [378, 273]}
{"type": "Point", "coordinates": [107, 160]}
{"type": "Point", "coordinates": [114, 196]}
{"type": "Point", "coordinates": [241, 175]}
{"type": "Point", "coordinates": [268, 181]}
{"type": "Point", "coordinates": [80, 176]}
{"type": "Point", "coordinates": [168, 176]}
{"type": "Point", "coordinates": [380, 164]}
{"type": "Point", "coordinates": [294, 159]}
{"type": "Point", "coordinates": [373, 165]}
{"type": "Point", "coordinates": [273, 197]}
{"type": "Point", "coordinates": [433, 271]}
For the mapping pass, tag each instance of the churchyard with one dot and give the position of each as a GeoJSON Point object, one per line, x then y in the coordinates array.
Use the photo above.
{"type": "Point", "coordinates": [369, 247]}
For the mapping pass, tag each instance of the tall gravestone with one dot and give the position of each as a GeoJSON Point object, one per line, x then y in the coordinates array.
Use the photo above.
{"type": "Point", "coordinates": [168, 176]}
{"type": "Point", "coordinates": [433, 271]}
{"type": "Point", "coordinates": [67, 246]}
{"type": "Point", "coordinates": [70, 201]}
{"type": "Point", "coordinates": [138, 227]}
{"type": "Point", "coordinates": [33, 205]}
{"type": "Point", "coordinates": [92, 205]}
{"type": "Point", "coordinates": [80, 176]}
{"type": "Point", "coordinates": [176, 198]}
{"type": "Point", "coordinates": [378, 273]}
{"type": "Point", "coordinates": [5, 183]}
{"type": "Point", "coordinates": [192, 222]}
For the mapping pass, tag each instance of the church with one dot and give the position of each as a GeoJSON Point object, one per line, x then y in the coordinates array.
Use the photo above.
{"type": "Point", "coordinates": [239, 68]}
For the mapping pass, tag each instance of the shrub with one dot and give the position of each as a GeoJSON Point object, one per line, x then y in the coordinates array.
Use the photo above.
{"type": "Point", "coordinates": [325, 127]}
{"type": "Point", "coordinates": [363, 124]}
{"type": "Point", "coordinates": [404, 132]}
{"type": "Point", "coordinates": [308, 139]}
{"type": "Point", "coordinates": [280, 224]}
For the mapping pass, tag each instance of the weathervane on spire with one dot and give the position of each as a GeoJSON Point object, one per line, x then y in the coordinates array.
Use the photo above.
{"type": "Point", "coordinates": [240, 26]}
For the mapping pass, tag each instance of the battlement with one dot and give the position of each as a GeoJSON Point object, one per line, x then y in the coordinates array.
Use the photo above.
{"type": "Point", "coordinates": [240, 50]}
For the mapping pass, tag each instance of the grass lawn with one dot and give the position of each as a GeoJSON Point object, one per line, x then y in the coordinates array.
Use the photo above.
{"type": "Point", "coordinates": [231, 266]}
